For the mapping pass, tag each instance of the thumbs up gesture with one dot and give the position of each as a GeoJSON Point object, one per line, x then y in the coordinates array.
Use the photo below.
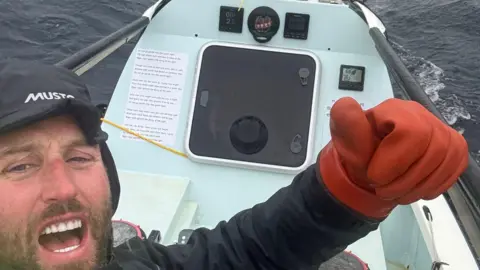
{"type": "Point", "coordinates": [393, 154]}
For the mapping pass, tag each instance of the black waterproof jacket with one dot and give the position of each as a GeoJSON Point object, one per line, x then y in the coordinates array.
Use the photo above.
{"type": "Point", "coordinates": [299, 227]}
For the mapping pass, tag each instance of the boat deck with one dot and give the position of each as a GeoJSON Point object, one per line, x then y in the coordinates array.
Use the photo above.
{"type": "Point", "coordinates": [170, 191]}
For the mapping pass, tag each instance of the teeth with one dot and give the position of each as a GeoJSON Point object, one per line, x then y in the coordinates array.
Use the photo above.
{"type": "Point", "coordinates": [67, 249]}
{"type": "Point", "coordinates": [62, 226]}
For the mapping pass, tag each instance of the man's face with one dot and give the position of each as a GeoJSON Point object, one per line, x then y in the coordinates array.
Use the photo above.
{"type": "Point", "coordinates": [54, 199]}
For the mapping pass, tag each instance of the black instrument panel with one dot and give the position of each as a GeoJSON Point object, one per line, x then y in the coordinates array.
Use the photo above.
{"type": "Point", "coordinates": [296, 26]}
{"type": "Point", "coordinates": [351, 78]}
{"type": "Point", "coordinates": [231, 19]}
{"type": "Point", "coordinates": [263, 23]}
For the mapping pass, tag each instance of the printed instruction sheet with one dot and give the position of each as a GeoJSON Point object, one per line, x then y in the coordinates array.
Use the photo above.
{"type": "Point", "coordinates": [155, 97]}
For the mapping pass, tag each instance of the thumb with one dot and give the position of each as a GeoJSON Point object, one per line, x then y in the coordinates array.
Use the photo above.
{"type": "Point", "coordinates": [353, 138]}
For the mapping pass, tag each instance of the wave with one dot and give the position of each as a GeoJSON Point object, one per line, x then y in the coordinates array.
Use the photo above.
{"type": "Point", "coordinates": [431, 77]}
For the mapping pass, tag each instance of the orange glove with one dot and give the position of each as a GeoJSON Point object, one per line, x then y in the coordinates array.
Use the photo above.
{"type": "Point", "coordinates": [395, 153]}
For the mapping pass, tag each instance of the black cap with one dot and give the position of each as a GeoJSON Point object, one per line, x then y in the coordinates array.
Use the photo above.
{"type": "Point", "coordinates": [32, 91]}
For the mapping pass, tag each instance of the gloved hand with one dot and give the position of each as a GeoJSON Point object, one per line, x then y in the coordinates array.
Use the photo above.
{"type": "Point", "coordinates": [395, 153]}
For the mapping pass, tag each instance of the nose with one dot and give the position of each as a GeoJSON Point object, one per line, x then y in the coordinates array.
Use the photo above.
{"type": "Point", "coordinates": [58, 182]}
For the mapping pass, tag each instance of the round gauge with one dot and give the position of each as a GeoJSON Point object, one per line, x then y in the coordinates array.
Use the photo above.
{"type": "Point", "coordinates": [263, 23]}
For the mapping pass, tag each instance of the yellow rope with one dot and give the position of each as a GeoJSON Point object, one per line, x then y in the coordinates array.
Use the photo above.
{"type": "Point", "coordinates": [241, 5]}
{"type": "Point", "coordinates": [143, 137]}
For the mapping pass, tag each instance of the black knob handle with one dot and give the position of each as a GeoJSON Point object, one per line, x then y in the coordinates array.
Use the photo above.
{"type": "Point", "coordinates": [248, 135]}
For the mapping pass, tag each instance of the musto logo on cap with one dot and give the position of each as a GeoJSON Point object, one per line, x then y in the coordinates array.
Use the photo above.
{"type": "Point", "coordinates": [46, 96]}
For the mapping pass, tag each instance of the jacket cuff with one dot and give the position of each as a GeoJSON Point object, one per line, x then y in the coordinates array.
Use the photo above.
{"type": "Point", "coordinates": [347, 192]}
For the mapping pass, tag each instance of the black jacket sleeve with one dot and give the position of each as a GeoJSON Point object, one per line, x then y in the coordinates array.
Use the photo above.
{"type": "Point", "coordinates": [299, 227]}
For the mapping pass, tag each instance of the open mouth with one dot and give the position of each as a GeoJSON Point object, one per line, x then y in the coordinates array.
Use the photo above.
{"type": "Point", "coordinates": [62, 237]}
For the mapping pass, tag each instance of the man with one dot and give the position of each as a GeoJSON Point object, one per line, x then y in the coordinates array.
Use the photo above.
{"type": "Point", "coordinates": [59, 187]}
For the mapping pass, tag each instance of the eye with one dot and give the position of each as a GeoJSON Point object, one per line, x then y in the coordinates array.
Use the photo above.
{"type": "Point", "coordinates": [19, 168]}
{"type": "Point", "coordinates": [79, 159]}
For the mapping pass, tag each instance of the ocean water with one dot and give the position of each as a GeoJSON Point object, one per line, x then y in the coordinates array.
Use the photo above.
{"type": "Point", "coordinates": [439, 40]}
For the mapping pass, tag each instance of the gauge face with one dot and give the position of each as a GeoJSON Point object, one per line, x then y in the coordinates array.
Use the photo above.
{"type": "Point", "coordinates": [263, 23]}
{"type": "Point", "coordinates": [231, 19]}
{"type": "Point", "coordinates": [296, 26]}
{"type": "Point", "coordinates": [351, 78]}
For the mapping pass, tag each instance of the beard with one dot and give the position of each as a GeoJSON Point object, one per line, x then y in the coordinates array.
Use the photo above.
{"type": "Point", "coordinates": [18, 248]}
